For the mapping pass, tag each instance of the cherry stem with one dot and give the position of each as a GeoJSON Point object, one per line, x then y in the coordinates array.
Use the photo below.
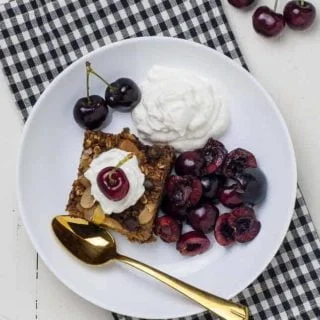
{"type": "Point", "coordinates": [117, 166]}
{"type": "Point", "coordinates": [302, 3]}
{"type": "Point", "coordinates": [276, 5]}
{"type": "Point", "coordinates": [87, 83]}
{"type": "Point", "coordinates": [90, 70]}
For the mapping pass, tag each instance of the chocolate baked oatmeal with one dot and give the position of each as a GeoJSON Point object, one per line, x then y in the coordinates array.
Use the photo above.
{"type": "Point", "coordinates": [155, 162]}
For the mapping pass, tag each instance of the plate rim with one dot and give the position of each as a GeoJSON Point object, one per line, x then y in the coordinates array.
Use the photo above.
{"type": "Point", "coordinates": [87, 56]}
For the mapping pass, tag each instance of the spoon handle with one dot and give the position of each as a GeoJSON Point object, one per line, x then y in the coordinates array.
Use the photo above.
{"type": "Point", "coordinates": [223, 308]}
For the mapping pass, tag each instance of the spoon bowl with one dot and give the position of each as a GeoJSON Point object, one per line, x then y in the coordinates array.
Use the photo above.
{"type": "Point", "coordinates": [87, 241]}
{"type": "Point", "coordinates": [95, 245]}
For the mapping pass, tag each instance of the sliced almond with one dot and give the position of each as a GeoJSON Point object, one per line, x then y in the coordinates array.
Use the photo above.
{"type": "Point", "coordinates": [113, 224]}
{"type": "Point", "coordinates": [161, 165]}
{"type": "Point", "coordinates": [146, 214]}
{"type": "Point", "coordinates": [87, 200]}
{"type": "Point", "coordinates": [129, 146]}
{"type": "Point", "coordinates": [84, 181]}
{"type": "Point", "coordinates": [144, 170]}
{"type": "Point", "coordinates": [88, 214]}
{"type": "Point", "coordinates": [98, 215]}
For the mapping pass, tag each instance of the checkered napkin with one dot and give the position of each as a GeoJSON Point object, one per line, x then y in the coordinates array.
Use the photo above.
{"type": "Point", "coordinates": [39, 38]}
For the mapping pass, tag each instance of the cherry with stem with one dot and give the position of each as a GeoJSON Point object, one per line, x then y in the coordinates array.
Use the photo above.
{"type": "Point", "coordinates": [113, 182]}
{"type": "Point", "coordinates": [90, 112]}
{"type": "Point", "coordinates": [299, 14]}
{"type": "Point", "coordinates": [268, 22]}
{"type": "Point", "coordinates": [122, 94]}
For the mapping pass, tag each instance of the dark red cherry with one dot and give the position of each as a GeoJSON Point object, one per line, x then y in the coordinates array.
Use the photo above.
{"type": "Point", "coordinates": [168, 229]}
{"type": "Point", "coordinates": [246, 226]}
{"type": "Point", "coordinates": [241, 3]}
{"type": "Point", "coordinates": [193, 243]}
{"type": "Point", "coordinates": [189, 163]}
{"type": "Point", "coordinates": [213, 154]}
{"type": "Point", "coordinates": [268, 22]}
{"type": "Point", "coordinates": [223, 232]}
{"type": "Point", "coordinates": [123, 94]}
{"type": "Point", "coordinates": [113, 183]}
{"type": "Point", "coordinates": [169, 208]}
{"type": "Point", "coordinates": [299, 14]}
{"type": "Point", "coordinates": [183, 192]}
{"type": "Point", "coordinates": [90, 113]}
{"type": "Point", "coordinates": [203, 217]}
{"type": "Point", "coordinates": [210, 184]}
{"type": "Point", "coordinates": [254, 186]}
{"type": "Point", "coordinates": [230, 196]}
{"type": "Point", "coordinates": [236, 161]}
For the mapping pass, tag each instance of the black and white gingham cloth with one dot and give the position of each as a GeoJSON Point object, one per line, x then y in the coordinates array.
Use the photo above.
{"type": "Point", "coordinates": [39, 38]}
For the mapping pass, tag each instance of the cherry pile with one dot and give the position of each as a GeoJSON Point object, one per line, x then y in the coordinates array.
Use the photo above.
{"type": "Point", "coordinates": [204, 178]}
{"type": "Point", "coordinates": [297, 14]}
{"type": "Point", "coordinates": [91, 112]}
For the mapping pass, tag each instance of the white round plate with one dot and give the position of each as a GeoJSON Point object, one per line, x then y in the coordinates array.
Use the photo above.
{"type": "Point", "coordinates": [49, 158]}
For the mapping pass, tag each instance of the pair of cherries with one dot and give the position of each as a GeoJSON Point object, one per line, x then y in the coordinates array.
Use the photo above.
{"type": "Point", "coordinates": [297, 14]}
{"type": "Point", "coordinates": [90, 112]}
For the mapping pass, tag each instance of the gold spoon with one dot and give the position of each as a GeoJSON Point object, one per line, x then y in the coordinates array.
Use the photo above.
{"type": "Point", "coordinates": [95, 245]}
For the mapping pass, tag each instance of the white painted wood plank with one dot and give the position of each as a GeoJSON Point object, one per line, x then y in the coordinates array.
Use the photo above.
{"type": "Point", "coordinates": [17, 266]}
{"type": "Point", "coordinates": [18, 281]}
{"type": "Point", "coordinates": [56, 301]}
{"type": "Point", "coordinates": [26, 283]}
{"type": "Point", "coordinates": [8, 260]}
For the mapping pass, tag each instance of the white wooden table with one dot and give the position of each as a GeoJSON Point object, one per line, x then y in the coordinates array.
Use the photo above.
{"type": "Point", "coordinates": [287, 67]}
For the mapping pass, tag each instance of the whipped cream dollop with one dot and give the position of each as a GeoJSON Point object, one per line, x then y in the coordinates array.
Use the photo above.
{"type": "Point", "coordinates": [131, 169]}
{"type": "Point", "coordinates": [180, 108]}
